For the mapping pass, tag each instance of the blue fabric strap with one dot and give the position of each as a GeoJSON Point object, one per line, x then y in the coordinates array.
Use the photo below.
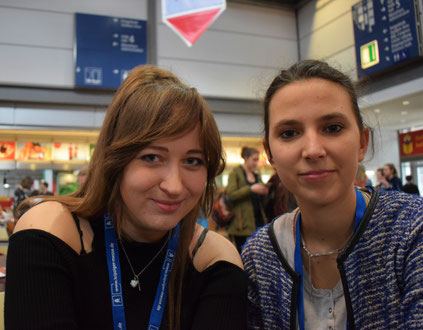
{"type": "Point", "coordinates": [161, 294]}
{"type": "Point", "coordinates": [298, 260]}
{"type": "Point", "coordinates": [113, 265]}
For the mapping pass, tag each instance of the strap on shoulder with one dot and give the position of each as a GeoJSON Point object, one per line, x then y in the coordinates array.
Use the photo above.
{"type": "Point", "coordinates": [75, 218]}
{"type": "Point", "coordinates": [199, 242]}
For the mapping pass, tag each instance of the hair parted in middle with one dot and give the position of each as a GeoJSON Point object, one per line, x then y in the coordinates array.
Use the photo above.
{"type": "Point", "coordinates": [310, 69]}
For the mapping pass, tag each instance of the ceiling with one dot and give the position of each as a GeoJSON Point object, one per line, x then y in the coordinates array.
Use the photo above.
{"type": "Point", "coordinates": [399, 113]}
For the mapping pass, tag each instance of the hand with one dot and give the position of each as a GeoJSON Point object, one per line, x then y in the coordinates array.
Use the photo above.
{"type": "Point", "coordinates": [260, 189]}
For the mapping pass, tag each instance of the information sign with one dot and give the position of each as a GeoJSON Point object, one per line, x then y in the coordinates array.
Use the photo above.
{"type": "Point", "coordinates": [411, 144]}
{"type": "Point", "coordinates": [386, 33]}
{"type": "Point", "coordinates": [107, 48]}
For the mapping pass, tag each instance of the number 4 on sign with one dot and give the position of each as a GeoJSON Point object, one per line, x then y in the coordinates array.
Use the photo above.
{"type": "Point", "coordinates": [189, 18]}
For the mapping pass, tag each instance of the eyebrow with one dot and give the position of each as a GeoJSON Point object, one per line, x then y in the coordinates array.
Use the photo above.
{"type": "Point", "coordinates": [165, 149]}
{"type": "Point", "coordinates": [293, 122]}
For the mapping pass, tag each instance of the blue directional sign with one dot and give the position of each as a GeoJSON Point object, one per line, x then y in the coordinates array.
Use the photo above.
{"type": "Point", "coordinates": [107, 48]}
{"type": "Point", "coordinates": [385, 33]}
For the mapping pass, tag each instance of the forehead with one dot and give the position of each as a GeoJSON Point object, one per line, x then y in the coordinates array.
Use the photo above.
{"type": "Point", "coordinates": [189, 138]}
{"type": "Point", "coordinates": [304, 96]}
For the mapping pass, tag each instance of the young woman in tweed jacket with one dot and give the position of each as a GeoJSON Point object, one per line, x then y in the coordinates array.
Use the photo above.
{"type": "Point", "coordinates": [346, 258]}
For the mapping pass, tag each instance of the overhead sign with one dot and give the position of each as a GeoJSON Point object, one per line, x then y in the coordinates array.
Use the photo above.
{"type": "Point", "coordinates": [411, 144]}
{"type": "Point", "coordinates": [189, 19]}
{"type": "Point", "coordinates": [385, 33]}
{"type": "Point", "coordinates": [107, 48]}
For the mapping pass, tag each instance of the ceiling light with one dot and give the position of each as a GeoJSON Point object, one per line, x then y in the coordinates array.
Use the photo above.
{"type": "Point", "coordinates": [403, 113]}
{"type": "Point", "coordinates": [376, 110]}
{"type": "Point", "coordinates": [405, 102]}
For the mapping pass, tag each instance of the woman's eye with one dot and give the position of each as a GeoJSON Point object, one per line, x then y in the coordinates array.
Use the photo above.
{"type": "Point", "coordinates": [150, 158]}
{"type": "Point", "coordinates": [288, 134]}
{"type": "Point", "coordinates": [194, 161]}
{"type": "Point", "coordinates": [333, 128]}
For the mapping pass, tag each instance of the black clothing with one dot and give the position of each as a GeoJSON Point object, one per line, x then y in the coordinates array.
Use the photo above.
{"type": "Point", "coordinates": [20, 195]}
{"type": "Point", "coordinates": [50, 286]}
{"type": "Point", "coordinates": [256, 200]}
{"type": "Point", "coordinates": [411, 188]}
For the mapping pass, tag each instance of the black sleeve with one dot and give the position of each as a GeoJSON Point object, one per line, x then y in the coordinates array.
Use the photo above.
{"type": "Point", "coordinates": [223, 301]}
{"type": "Point", "coordinates": [39, 283]}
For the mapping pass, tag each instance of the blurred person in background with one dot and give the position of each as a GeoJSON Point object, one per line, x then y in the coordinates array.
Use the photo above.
{"type": "Point", "coordinates": [410, 187]}
{"type": "Point", "coordinates": [124, 251]}
{"type": "Point", "coordinates": [279, 200]}
{"type": "Point", "coordinates": [246, 192]}
{"type": "Point", "coordinates": [382, 182]}
{"type": "Point", "coordinates": [23, 191]}
{"type": "Point", "coordinates": [361, 179]}
{"type": "Point", "coordinates": [43, 191]}
{"type": "Point", "coordinates": [82, 175]}
{"type": "Point", "coordinates": [390, 173]}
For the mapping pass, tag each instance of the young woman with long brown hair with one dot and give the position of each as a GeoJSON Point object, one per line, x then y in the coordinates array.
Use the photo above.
{"type": "Point", "coordinates": [104, 257]}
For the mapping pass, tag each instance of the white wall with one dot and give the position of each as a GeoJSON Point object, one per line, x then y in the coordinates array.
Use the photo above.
{"type": "Point", "coordinates": [238, 55]}
{"type": "Point", "coordinates": [326, 32]}
{"type": "Point", "coordinates": [36, 37]}
{"type": "Point", "coordinates": [235, 58]}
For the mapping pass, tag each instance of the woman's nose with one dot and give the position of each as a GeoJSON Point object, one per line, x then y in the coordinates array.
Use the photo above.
{"type": "Point", "coordinates": [172, 180]}
{"type": "Point", "coordinates": [313, 147]}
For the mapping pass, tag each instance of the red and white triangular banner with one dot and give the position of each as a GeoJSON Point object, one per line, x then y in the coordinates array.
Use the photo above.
{"type": "Point", "coordinates": [189, 19]}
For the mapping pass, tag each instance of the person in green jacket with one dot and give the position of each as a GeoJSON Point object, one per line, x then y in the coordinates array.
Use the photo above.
{"type": "Point", "coordinates": [246, 192]}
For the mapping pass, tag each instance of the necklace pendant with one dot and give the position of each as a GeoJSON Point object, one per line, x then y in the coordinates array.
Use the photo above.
{"type": "Point", "coordinates": [134, 282]}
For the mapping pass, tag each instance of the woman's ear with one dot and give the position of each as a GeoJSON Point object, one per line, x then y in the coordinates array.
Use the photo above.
{"type": "Point", "coordinates": [268, 153]}
{"type": "Point", "coordinates": [364, 143]}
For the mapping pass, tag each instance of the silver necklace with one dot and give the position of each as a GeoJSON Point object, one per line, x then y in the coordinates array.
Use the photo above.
{"type": "Point", "coordinates": [312, 255]}
{"type": "Point", "coordinates": [135, 281]}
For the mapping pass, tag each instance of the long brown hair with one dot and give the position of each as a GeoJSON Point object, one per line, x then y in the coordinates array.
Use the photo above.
{"type": "Point", "coordinates": [150, 104]}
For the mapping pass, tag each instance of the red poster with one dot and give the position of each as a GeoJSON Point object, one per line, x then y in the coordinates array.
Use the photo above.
{"type": "Point", "coordinates": [411, 144]}
{"type": "Point", "coordinates": [7, 150]}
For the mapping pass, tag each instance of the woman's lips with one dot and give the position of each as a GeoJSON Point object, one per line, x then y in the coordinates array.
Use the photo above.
{"type": "Point", "coordinates": [167, 206]}
{"type": "Point", "coordinates": [316, 175]}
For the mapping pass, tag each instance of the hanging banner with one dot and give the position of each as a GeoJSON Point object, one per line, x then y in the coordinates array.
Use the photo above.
{"type": "Point", "coordinates": [411, 144]}
{"type": "Point", "coordinates": [189, 19]}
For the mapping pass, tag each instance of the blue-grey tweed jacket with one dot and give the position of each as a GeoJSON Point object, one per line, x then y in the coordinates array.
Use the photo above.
{"type": "Point", "coordinates": [381, 270]}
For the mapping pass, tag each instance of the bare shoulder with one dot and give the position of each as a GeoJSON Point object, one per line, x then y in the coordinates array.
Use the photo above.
{"type": "Point", "coordinates": [214, 248]}
{"type": "Point", "coordinates": [54, 218]}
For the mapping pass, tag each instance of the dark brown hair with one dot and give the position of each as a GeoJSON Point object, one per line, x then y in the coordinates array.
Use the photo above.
{"type": "Point", "coordinates": [310, 69]}
{"type": "Point", "coordinates": [150, 104]}
{"type": "Point", "coordinates": [27, 182]}
{"type": "Point", "coordinates": [247, 152]}
{"type": "Point", "coordinates": [392, 168]}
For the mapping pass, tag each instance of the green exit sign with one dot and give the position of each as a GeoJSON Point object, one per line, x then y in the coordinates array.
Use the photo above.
{"type": "Point", "coordinates": [369, 54]}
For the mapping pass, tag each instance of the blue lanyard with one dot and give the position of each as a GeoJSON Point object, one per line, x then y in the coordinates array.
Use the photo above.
{"type": "Point", "coordinates": [113, 264]}
{"type": "Point", "coordinates": [359, 212]}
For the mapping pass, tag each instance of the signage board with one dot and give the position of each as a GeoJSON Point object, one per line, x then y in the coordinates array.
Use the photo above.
{"type": "Point", "coordinates": [190, 19]}
{"type": "Point", "coordinates": [386, 33]}
{"type": "Point", "coordinates": [70, 151]}
{"type": "Point", "coordinates": [107, 48]}
{"type": "Point", "coordinates": [7, 150]}
{"type": "Point", "coordinates": [411, 144]}
{"type": "Point", "coordinates": [34, 151]}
